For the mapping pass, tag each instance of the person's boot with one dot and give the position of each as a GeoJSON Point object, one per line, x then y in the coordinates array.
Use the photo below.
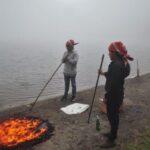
{"type": "Point", "coordinates": [73, 99]}
{"type": "Point", "coordinates": [107, 135]}
{"type": "Point", "coordinates": [108, 144]}
{"type": "Point", "coordinates": [64, 98]}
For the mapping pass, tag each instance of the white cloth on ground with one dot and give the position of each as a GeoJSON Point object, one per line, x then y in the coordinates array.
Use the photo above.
{"type": "Point", "coordinates": [75, 108]}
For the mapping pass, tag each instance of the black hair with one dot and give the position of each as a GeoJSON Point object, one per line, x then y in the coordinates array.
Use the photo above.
{"type": "Point", "coordinates": [119, 56]}
{"type": "Point", "coordinates": [126, 65]}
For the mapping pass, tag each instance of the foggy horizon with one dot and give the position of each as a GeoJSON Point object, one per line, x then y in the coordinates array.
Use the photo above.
{"type": "Point", "coordinates": [55, 21]}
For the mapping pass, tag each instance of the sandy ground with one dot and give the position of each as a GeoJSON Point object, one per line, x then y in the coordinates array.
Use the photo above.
{"type": "Point", "coordinates": [72, 132]}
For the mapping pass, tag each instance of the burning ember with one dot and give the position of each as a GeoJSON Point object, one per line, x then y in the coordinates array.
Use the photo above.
{"type": "Point", "coordinates": [16, 132]}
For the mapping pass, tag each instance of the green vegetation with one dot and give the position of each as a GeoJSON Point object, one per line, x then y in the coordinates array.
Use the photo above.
{"type": "Point", "coordinates": [142, 142]}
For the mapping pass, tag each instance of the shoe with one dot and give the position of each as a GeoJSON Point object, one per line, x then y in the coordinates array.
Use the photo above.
{"type": "Point", "coordinates": [64, 98]}
{"type": "Point", "coordinates": [108, 144]}
{"type": "Point", "coordinates": [109, 136]}
{"type": "Point", "coordinates": [73, 99]}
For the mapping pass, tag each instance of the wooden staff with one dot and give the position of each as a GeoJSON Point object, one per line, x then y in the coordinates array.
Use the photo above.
{"type": "Point", "coordinates": [100, 68]}
{"type": "Point", "coordinates": [138, 70]}
{"type": "Point", "coordinates": [32, 105]}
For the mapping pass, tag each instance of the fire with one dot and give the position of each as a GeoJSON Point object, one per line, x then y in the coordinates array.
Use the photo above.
{"type": "Point", "coordinates": [15, 131]}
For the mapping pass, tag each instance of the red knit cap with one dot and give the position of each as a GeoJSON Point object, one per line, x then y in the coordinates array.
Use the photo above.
{"type": "Point", "coordinates": [119, 47]}
{"type": "Point", "coordinates": [71, 43]}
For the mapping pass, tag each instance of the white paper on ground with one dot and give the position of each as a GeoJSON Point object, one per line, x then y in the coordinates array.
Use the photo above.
{"type": "Point", "coordinates": [75, 108]}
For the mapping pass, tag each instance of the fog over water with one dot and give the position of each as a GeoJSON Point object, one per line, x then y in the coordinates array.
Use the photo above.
{"type": "Point", "coordinates": [33, 35]}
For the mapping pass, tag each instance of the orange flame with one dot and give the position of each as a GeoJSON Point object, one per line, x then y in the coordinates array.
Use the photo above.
{"type": "Point", "coordinates": [19, 130]}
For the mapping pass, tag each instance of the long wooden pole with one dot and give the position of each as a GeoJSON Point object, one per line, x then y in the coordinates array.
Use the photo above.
{"type": "Point", "coordinates": [100, 68]}
{"type": "Point", "coordinates": [44, 87]}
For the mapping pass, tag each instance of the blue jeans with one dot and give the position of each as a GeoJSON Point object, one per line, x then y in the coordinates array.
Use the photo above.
{"type": "Point", "coordinates": [67, 79]}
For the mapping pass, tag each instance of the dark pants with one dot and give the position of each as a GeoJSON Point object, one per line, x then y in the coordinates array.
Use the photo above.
{"type": "Point", "coordinates": [114, 102]}
{"type": "Point", "coordinates": [67, 79]}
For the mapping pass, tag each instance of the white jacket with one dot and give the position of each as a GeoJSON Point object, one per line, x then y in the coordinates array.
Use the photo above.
{"type": "Point", "coordinates": [70, 66]}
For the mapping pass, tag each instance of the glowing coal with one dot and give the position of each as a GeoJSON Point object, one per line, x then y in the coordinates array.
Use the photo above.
{"type": "Point", "coordinates": [25, 131]}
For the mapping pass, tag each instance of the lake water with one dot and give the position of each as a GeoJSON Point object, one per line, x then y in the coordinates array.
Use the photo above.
{"type": "Point", "coordinates": [24, 70]}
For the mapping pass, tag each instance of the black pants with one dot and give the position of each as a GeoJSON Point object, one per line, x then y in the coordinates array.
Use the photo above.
{"type": "Point", "coordinates": [114, 102]}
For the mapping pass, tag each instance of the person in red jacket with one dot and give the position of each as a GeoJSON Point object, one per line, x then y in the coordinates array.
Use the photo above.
{"type": "Point", "coordinates": [118, 70]}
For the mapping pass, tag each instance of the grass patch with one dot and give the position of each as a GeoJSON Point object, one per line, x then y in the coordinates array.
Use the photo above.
{"type": "Point", "coordinates": [142, 142]}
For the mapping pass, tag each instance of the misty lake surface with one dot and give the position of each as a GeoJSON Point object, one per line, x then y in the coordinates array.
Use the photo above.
{"type": "Point", "coordinates": [24, 70]}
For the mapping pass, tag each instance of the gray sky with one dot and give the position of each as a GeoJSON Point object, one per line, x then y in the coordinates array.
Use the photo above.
{"type": "Point", "coordinates": [23, 21]}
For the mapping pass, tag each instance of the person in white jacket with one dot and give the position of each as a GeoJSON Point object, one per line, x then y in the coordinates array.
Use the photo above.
{"type": "Point", "coordinates": [70, 59]}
